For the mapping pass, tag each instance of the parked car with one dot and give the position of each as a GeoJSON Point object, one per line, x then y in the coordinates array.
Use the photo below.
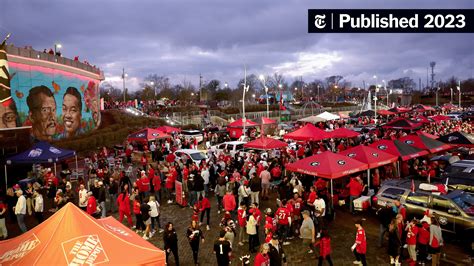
{"type": "Point", "coordinates": [462, 166]}
{"type": "Point", "coordinates": [454, 211]}
{"type": "Point", "coordinates": [189, 134]}
{"type": "Point", "coordinates": [195, 155]}
{"type": "Point", "coordinates": [457, 116]}
{"type": "Point", "coordinates": [231, 147]}
{"type": "Point", "coordinates": [468, 116]}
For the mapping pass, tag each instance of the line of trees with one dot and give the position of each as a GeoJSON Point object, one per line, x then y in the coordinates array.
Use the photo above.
{"type": "Point", "coordinates": [155, 86]}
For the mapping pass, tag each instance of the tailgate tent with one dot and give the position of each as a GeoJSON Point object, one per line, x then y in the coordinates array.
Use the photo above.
{"type": "Point", "coordinates": [307, 133]}
{"type": "Point", "coordinates": [266, 143]}
{"type": "Point", "coordinates": [147, 134]}
{"type": "Point", "coordinates": [328, 165]}
{"type": "Point", "coordinates": [458, 138]}
{"type": "Point", "coordinates": [41, 152]}
{"type": "Point", "coordinates": [72, 237]}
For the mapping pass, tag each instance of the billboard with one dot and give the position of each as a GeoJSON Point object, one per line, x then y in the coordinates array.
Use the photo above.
{"type": "Point", "coordinates": [55, 103]}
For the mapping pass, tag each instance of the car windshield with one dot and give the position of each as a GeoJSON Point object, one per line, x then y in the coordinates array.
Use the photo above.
{"type": "Point", "coordinates": [466, 202]}
{"type": "Point", "coordinates": [198, 156]}
{"type": "Point", "coordinates": [452, 169]}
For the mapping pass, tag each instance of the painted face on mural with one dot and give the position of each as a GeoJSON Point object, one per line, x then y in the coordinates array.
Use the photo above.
{"type": "Point", "coordinates": [72, 111]}
{"type": "Point", "coordinates": [9, 115]}
{"type": "Point", "coordinates": [42, 112]}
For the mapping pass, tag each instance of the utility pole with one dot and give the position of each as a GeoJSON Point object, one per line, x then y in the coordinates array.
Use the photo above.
{"type": "Point", "coordinates": [123, 78]}
{"type": "Point", "coordinates": [200, 87]}
{"type": "Point", "coordinates": [432, 65]}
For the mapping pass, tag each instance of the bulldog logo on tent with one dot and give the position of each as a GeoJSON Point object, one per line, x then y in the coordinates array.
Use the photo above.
{"type": "Point", "coordinates": [409, 142]}
{"type": "Point", "coordinates": [452, 138]}
{"type": "Point", "coordinates": [341, 162]}
{"type": "Point", "coordinates": [375, 154]}
{"type": "Point", "coordinates": [314, 164]}
{"type": "Point", "coordinates": [21, 250]}
{"type": "Point", "coordinates": [54, 150]}
{"type": "Point", "coordinates": [35, 153]}
{"type": "Point", "coordinates": [155, 134]}
{"type": "Point", "coordinates": [352, 155]}
{"type": "Point", "coordinates": [84, 250]}
{"type": "Point", "coordinates": [382, 147]}
{"type": "Point", "coordinates": [140, 135]}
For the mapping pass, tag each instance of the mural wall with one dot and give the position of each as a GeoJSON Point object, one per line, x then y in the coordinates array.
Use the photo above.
{"type": "Point", "coordinates": [57, 104]}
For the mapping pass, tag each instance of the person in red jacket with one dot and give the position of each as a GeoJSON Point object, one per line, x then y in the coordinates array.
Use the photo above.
{"type": "Point", "coordinates": [360, 246]}
{"type": "Point", "coordinates": [283, 215]}
{"type": "Point", "coordinates": [123, 202]}
{"type": "Point", "coordinates": [144, 161]}
{"type": "Point", "coordinates": [324, 244]}
{"type": "Point", "coordinates": [156, 181]}
{"type": "Point", "coordinates": [412, 233]}
{"type": "Point", "coordinates": [91, 204]}
{"type": "Point", "coordinates": [143, 186]}
{"type": "Point", "coordinates": [355, 190]}
{"type": "Point", "coordinates": [262, 258]}
{"type": "Point", "coordinates": [140, 225]}
{"type": "Point", "coordinates": [170, 158]}
{"type": "Point", "coordinates": [296, 203]}
{"type": "Point", "coordinates": [229, 203]}
{"type": "Point", "coordinates": [423, 239]}
{"type": "Point", "coordinates": [169, 185]}
{"type": "Point", "coordinates": [205, 207]}
{"type": "Point", "coordinates": [242, 220]}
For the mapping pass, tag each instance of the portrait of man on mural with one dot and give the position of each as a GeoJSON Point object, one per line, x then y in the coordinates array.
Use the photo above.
{"type": "Point", "coordinates": [9, 115]}
{"type": "Point", "coordinates": [72, 112]}
{"type": "Point", "coordinates": [42, 112]}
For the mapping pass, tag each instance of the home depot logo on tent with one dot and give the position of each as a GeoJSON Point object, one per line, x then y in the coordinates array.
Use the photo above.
{"type": "Point", "coordinates": [84, 250]}
{"type": "Point", "coordinates": [19, 252]}
{"type": "Point", "coordinates": [117, 230]}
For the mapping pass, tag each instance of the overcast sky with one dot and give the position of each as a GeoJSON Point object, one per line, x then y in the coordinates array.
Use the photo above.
{"type": "Point", "coordinates": [181, 39]}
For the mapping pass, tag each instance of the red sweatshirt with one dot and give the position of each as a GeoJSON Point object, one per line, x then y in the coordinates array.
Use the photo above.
{"type": "Point", "coordinates": [229, 202]}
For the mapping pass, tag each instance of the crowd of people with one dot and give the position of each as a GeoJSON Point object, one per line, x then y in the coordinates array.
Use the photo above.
{"type": "Point", "coordinates": [236, 186]}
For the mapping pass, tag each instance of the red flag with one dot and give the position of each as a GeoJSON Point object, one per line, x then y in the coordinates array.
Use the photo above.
{"type": "Point", "coordinates": [413, 185]}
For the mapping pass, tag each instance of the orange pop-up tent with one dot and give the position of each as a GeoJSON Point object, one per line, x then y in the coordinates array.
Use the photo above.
{"type": "Point", "coordinates": [72, 237]}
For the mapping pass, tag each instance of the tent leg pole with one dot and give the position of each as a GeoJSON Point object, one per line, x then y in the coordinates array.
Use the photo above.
{"type": "Point", "coordinates": [6, 182]}
{"type": "Point", "coordinates": [55, 171]}
{"type": "Point", "coordinates": [398, 169]}
{"type": "Point", "coordinates": [77, 173]}
{"type": "Point", "coordinates": [368, 178]}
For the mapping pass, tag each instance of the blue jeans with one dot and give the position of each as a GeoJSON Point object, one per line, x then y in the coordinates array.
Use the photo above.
{"type": "Point", "coordinates": [351, 203]}
{"type": "Point", "coordinates": [103, 209]}
{"type": "Point", "coordinates": [21, 222]}
{"type": "Point", "coordinates": [192, 198]}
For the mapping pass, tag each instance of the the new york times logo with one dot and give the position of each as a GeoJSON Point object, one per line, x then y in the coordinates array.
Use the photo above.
{"type": "Point", "coordinates": [390, 20]}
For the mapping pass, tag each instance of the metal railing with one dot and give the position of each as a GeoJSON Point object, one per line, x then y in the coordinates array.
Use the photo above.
{"type": "Point", "coordinates": [30, 53]}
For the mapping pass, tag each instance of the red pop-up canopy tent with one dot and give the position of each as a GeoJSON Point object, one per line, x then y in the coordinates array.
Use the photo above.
{"type": "Point", "coordinates": [343, 132]}
{"type": "Point", "coordinates": [421, 119]}
{"type": "Point", "coordinates": [371, 156]}
{"type": "Point", "coordinates": [240, 124]}
{"type": "Point", "coordinates": [307, 133]}
{"type": "Point", "coordinates": [398, 148]}
{"type": "Point", "coordinates": [266, 143]}
{"type": "Point", "coordinates": [402, 123]}
{"type": "Point", "coordinates": [147, 134]}
{"type": "Point", "coordinates": [431, 136]}
{"type": "Point", "coordinates": [425, 143]}
{"type": "Point", "coordinates": [327, 164]}
{"type": "Point", "coordinates": [385, 112]}
{"type": "Point", "coordinates": [439, 118]}
{"type": "Point", "coordinates": [168, 129]}
{"type": "Point", "coordinates": [72, 237]}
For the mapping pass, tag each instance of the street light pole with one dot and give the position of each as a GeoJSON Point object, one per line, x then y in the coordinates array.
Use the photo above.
{"type": "Point", "coordinates": [459, 90]}
{"type": "Point", "coordinates": [246, 88]}
{"type": "Point", "coordinates": [262, 78]}
{"type": "Point", "coordinates": [319, 99]}
{"type": "Point", "coordinates": [123, 78]}
{"type": "Point", "coordinates": [56, 46]}
{"type": "Point", "coordinates": [451, 95]}
{"type": "Point", "coordinates": [437, 90]}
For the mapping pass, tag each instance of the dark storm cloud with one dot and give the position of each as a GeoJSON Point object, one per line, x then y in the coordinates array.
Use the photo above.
{"type": "Point", "coordinates": [216, 38]}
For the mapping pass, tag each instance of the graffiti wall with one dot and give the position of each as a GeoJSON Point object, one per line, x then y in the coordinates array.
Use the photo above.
{"type": "Point", "coordinates": [55, 103]}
